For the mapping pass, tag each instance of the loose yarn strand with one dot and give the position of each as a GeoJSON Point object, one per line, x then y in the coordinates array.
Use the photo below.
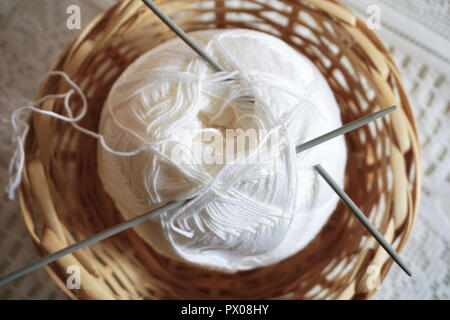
{"type": "Point", "coordinates": [20, 129]}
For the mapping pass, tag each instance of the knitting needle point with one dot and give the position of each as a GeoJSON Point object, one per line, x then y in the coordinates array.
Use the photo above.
{"type": "Point", "coordinates": [344, 129]}
{"type": "Point", "coordinates": [360, 215]}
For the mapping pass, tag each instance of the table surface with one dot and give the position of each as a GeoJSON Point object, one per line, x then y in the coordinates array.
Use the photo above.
{"type": "Point", "coordinates": [34, 32]}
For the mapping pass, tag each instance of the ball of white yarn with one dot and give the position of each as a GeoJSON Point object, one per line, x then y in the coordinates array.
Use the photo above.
{"type": "Point", "coordinates": [246, 215]}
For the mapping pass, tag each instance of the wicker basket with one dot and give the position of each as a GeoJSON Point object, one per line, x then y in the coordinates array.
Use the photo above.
{"type": "Point", "coordinates": [63, 201]}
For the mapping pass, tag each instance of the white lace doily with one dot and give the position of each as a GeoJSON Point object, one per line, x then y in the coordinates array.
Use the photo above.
{"type": "Point", "coordinates": [33, 33]}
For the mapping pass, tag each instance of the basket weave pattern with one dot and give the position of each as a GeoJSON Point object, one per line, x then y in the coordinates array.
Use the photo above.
{"type": "Point", "coordinates": [63, 201]}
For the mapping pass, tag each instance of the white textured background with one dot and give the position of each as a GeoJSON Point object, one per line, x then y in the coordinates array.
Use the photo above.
{"type": "Point", "coordinates": [33, 33]}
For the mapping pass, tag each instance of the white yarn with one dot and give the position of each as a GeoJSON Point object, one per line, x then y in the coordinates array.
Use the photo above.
{"type": "Point", "coordinates": [245, 215]}
{"type": "Point", "coordinates": [20, 129]}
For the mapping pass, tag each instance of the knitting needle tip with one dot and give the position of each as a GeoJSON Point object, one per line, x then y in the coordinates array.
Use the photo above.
{"type": "Point", "coordinates": [344, 129]}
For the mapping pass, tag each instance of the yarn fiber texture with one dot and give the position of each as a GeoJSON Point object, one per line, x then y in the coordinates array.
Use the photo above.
{"type": "Point", "coordinates": [245, 214]}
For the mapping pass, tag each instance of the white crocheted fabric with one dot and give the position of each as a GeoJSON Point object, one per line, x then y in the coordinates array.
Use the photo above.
{"type": "Point", "coordinates": [418, 37]}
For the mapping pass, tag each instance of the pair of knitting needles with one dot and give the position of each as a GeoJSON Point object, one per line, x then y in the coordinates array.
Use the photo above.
{"type": "Point", "coordinates": [178, 204]}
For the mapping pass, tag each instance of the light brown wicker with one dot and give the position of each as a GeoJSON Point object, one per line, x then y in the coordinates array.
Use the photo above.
{"type": "Point", "coordinates": [63, 201]}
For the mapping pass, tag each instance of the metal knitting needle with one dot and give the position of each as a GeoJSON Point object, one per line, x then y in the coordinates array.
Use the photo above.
{"type": "Point", "coordinates": [360, 215]}
{"type": "Point", "coordinates": [89, 241]}
{"type": "Point", "coordinates": [347, 128]}
{"type": "Point", "coordinates": [179, 32]}
{"type": "Point", "coordinates": [175, 205]}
